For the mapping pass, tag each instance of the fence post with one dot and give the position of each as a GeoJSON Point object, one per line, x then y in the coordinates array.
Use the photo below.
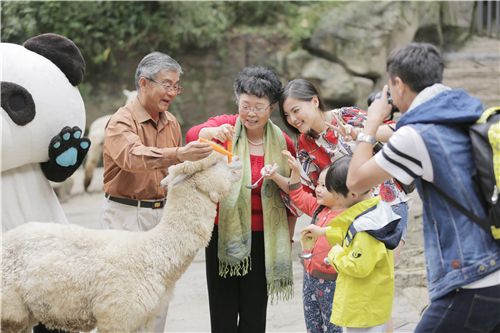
{"type": "Point", "coordinates": [489, 14]}
{"type": "Point", "coordinates": [479, 17]}
{"type": "Point", "coordinates": [497, 18]}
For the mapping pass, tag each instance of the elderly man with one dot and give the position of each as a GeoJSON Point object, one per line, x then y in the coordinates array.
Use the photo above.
{"type": "Point", "coordinates": [142, 139]}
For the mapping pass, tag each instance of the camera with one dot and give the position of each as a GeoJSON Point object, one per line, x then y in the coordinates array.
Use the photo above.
{"type": "Point", "coordinates": [375, 95]}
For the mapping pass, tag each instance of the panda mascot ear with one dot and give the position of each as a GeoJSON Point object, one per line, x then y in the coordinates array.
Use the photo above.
{"type": "Point", "coordinates": [62, 52]}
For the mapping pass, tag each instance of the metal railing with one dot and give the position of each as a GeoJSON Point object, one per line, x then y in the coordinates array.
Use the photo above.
{"type": "Point", "coordinates": [488, 18]}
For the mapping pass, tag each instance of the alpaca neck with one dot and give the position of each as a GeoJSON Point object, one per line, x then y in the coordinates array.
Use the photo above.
{"type": "Point", "coordinates": [186, 226]}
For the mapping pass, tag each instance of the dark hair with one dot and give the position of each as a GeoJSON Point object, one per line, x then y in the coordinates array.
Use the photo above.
{"type": "Point", "coordinates": [258, 81]}
{"type": "Point", "coordinates": [302, 90]}
{"type": "Point", "coordinates": [336, 176]}
{"type": "Point", "coordinates": [419, 65]}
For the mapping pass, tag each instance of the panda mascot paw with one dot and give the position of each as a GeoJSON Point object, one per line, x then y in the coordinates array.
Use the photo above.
{"type": "Point", "coordinates": [66, 153]}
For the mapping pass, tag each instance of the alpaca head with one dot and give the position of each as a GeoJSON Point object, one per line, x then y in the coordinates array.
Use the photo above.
{"type": "Point", "coordinates": [212, 175]}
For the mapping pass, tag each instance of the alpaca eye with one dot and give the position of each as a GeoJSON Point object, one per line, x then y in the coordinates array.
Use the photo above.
{"type": "Point", "coordinates": [18, 103]}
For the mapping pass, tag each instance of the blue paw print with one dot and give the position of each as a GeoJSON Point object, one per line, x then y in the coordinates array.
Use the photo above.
{"type": "Point", "coordinates": [69, 141]}
{"type": "Point", "coordinates": [66, 147]}
{"type": "Point", "coordinates": [66, 153]}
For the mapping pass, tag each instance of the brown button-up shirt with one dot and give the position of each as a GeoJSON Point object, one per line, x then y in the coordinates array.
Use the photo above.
{"type": "Point", "coordinates": [137, 152]}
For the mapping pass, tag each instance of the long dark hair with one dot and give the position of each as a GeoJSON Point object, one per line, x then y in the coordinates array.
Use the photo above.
{"type": "Point", "coordinates": [302, 90]}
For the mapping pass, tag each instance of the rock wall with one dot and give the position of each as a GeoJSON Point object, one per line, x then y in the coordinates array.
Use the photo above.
{"type": "Point", "coordinates": [345, 56]}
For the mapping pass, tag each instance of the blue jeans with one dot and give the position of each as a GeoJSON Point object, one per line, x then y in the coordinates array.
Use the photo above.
{"type": "Point", "coordinates": [463, 311]}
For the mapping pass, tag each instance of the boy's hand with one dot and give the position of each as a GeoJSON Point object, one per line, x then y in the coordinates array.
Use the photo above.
{"type": "Point", "coordinates": [313, 230]}
{"type": "Point", "coordinates": [307, 241]}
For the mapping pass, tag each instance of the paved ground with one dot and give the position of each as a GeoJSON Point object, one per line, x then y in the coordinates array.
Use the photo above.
{"type": "Point", "coordinates": [189, 307]}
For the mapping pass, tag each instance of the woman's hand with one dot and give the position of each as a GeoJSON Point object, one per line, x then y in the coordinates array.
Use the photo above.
{"type": "Point", "coordinates": [222, 133]}
{"type": "Point", "coordinates": [341, 128]}
{"type": "Point", "coordinates": [292, 161]}
{"type": "Point", "coordinates": [269, 170]}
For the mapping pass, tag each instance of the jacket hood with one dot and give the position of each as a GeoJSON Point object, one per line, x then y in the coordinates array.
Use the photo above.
{"type": "Point", "coordinates": [450, 107]}
{"type": "Point", "coordinates": [380, 222]}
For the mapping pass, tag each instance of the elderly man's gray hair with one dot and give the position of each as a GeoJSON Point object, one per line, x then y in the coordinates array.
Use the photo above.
{"type": "Point", "coordinates": [153, 63]}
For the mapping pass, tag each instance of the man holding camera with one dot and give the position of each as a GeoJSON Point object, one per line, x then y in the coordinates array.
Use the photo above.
{"type": "Point", "coordinates": [431, 145]}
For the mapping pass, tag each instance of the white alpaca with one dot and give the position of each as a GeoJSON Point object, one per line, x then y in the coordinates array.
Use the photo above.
{"type": "Point", "coordinates": [96, 136]}
{"type": "Point", "coordinates": [76, 279]}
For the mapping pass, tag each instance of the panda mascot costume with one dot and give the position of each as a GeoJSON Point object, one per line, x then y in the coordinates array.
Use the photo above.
{"type": "Point", "coordinates": [42, 120]}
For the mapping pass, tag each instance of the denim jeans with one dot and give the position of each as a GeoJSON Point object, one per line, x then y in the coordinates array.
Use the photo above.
{"type": "Point", "coordinates": [463, 311]}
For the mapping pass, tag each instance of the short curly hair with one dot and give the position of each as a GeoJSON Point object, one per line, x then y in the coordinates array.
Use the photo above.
{"type": "Point", "coordinates": [258, 81]}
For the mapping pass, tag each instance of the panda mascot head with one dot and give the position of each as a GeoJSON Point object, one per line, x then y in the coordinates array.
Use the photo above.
{"type": "Point", "coordinates": [43, 113]}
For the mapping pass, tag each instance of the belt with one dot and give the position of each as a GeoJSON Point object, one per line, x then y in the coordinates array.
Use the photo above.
{"type": "Point", "coordinates": [137, 203]}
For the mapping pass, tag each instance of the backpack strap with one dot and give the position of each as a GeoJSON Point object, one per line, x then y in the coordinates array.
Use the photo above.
{"type": "Point", "coordinates": [488, 113]}
{"type": "Point", "coordinates": [483, 223]}
{"type": "Point", "coordinates": [316, 213]}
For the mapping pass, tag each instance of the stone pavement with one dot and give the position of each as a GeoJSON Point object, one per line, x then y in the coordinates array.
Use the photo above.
{"type": "Point", "coordinates": [188, 310]}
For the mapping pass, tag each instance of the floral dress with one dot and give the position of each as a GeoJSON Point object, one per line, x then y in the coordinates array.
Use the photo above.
{"type": "Point", "coordinates": [317, 153]}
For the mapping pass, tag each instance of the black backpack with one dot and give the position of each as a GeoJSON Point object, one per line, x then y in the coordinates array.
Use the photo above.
{"type": "Point", "coordinates": [485, 138]}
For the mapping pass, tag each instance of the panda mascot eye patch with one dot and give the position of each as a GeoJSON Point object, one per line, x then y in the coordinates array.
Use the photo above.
{"type": "Point", "coordinates": [18, 103]}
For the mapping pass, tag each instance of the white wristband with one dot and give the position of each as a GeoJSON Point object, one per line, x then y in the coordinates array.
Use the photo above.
{"type": "Point", "coordinates": [362, 137]}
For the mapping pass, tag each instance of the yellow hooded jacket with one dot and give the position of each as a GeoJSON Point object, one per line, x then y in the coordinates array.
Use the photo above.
{"type": "Point", "coordinates": [364, 293]}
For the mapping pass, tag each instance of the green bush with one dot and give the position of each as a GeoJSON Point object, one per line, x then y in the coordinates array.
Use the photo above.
{"type": "Point", "coordinates": [114, 35]}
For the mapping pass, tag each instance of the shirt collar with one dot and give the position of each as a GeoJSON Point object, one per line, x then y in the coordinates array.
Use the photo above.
{"type": "Point", "coordinates": [142, 115]}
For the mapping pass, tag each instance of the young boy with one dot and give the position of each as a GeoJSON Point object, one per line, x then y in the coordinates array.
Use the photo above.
{"type": "Point", "coordinates": [363, 237]}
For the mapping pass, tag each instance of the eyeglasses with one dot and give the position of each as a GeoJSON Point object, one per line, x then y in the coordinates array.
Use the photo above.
{"type": "Point", "coordinates": [167, 86]}
{"type": "Point", "coordinates": [257, 109]}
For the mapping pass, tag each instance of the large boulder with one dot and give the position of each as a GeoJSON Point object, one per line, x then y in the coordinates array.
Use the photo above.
{"type": "Point", "coordinates": [457, 19]}
{"type": "Point", "coordinates": [359, 36]}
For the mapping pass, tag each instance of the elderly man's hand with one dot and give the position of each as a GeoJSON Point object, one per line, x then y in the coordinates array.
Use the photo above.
{"type": "Point", "coordinates": [194, 151]}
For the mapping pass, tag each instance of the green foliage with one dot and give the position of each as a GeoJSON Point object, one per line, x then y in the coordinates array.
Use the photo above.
{"type": "Point", "coordinates": [109, 32]}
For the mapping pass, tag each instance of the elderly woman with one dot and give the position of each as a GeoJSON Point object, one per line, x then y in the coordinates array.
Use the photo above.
{"type": "Point", "coordinates": [249, 258]}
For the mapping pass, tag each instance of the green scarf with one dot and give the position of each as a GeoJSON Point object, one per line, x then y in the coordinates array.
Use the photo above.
{"type": "Point", "coordinates": [235, 218]}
